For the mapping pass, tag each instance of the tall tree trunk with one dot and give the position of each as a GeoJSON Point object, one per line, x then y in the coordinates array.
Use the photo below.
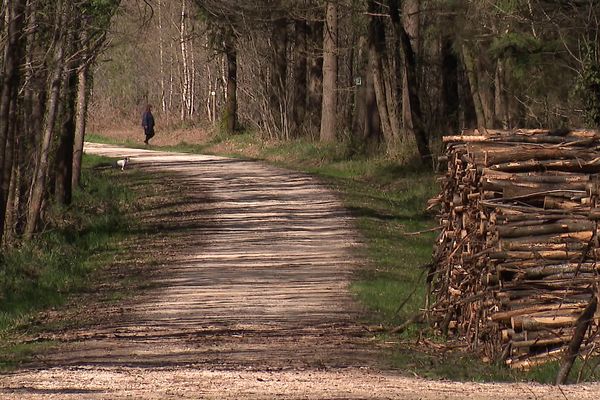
{"type": "Point", "coordinates": [185, 72]}
{"type": "Point", "coordinates": [83, 91]}
{"type": "Point", "coordinates": [411, 10]}
{"type": "Point", "coordinates": [377, 57]}
{"type": "Point", "coordinates": [486, 91]}
{"type": "Point", "coordinates": [315, 74]}
{"type": "Point", "coordinates": [10, 80]}
{"type": "Point", "coordinates": [329, 108]}
{"type": "Point", "coordinates": [366, 119]}
{"type": "Point", "coordinates": [9, 167]}
{"type": "Point", "coordinates": [277, 95]}
{"type": "Point", "coordinates": [64, 155]}
{"type": "Point", "coordinates": [12, 204]}
{"type": "Point", "coordinates": [300, 76]}
{"type": "Point", "coordinates": [471, 70]}
{"type": "Point", "coordinates": [229, 119]}
{"type": "Point", "coordinates": [450, 98]}
{"type": "Point", "coordinates": [161, 55]}
{"type": "Point", "coordinates": [410, 71]}
{"type": "Point", "coordinates": [39, 180]}
{"type": "Point", "coordinates": [500, 100]}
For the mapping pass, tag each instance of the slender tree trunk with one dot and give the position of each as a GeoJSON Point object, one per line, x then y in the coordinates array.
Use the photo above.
{"type": "Point", "coordinates": [581, 327]}
{"type": "Point", "coordinates": [300, 76]}
{"type": "Point", "coordinates": [229, 120]}
{"type": "Point", "coordinates": [315, 74]}
{"type": "Point", "coordinates": [486, 92]}
{"type": "Point", "coordinates": [9, 167]}
{"type": "Point", "coordinates": [39, 179]}
{"type": "Point", "coordinates": [64, 156]}
{"type": "Point", "coordinates": [277, 100]}
{"type": "Point", "coordinates": [185, 73]}
{"type": "Point", "coordinates": [329, 107]}
{"type": "Point", "coordinates": [450, 98]}
{"type": "Point", "coordinates": [12, 204]}
{"type": "Point", "coordinates": [500, 101]}
{"type": "Point", "coordinates": [10, 80]}
{"type": "Point", "coordinates": [81, 112]}
{"type": "Point", "coordinates": [161, 54]}
{"type": "Point", "coordinates": [192, 91]}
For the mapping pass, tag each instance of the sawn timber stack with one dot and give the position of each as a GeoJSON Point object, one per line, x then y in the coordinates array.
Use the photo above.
{"type": "Point", "coordinates": [515, 264]}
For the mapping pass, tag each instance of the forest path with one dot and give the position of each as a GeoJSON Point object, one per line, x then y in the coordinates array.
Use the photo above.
{"type": "Point", "coordinates": [251, 302]}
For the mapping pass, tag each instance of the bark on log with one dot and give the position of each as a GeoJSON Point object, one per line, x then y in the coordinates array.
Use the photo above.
{"type": "Point", "coordinates": [582, 325]}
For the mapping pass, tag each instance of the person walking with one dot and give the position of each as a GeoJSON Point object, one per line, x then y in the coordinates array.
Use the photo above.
{"type": "Point", "coordinates": [148, 123]}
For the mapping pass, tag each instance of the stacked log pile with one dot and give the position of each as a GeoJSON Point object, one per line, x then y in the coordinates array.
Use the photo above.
{"type": "Point", "coordinates": [516, 260]}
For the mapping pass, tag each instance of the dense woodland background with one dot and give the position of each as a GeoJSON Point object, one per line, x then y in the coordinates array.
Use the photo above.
{"type": "Point", "coordinates": [383, 77]}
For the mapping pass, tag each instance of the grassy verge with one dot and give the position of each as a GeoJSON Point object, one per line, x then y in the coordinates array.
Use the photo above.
{"type": "Point", "coordinates": [388, 201]}
{"type": "Point", "coordinates": [77, 242]}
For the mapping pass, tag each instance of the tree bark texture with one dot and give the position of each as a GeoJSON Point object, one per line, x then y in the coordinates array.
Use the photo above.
{"type": "Point", "coordinates": [10, 80]}
{"type": "Point", "coordinates": [410, 71]}
{"type": "Point", "coordinates": [315, 73]}
{"type": "Point", "coordinates": [411, 12]}
{"type": "Point", "coordinates": [471, 70]}
{"type": "Point", "coordinates": [64, 155]}
{"type": "Point", "coordinates": [300, 76]}
{"type": "Point", "coordinates": [329, 104]}
{"type": "Point", "coordinates": [450, 92]}
{"type": "Point", "coordinates": [40, 177]}
{"type": "Point", "coordinates": [278, 81]}
{"type": "Point", "coordinates": [377, 59]}
{"type": "Point", "coordinates": [581, 326]}
{"type": "Point", "coordinates": [83, 90]}
{"type": "Point", "coordinates": [366, 120]}
{"type": "Point", "coordinates": [229, 118]}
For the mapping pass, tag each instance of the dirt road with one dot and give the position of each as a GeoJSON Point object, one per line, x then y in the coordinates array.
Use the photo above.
{"type": "Point", "coordinates": [252, 303]}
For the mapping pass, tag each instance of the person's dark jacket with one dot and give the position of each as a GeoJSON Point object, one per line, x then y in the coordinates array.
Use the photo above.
{"type": "Point", "coordinates": [148, 120]}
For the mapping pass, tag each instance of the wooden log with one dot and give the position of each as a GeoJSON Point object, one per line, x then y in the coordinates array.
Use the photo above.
{"type": "Point", "coordinates": [578, 283]}
{"type": "Point", "coordinates": [528, 362]}
{"type": "Point", "coordinates": [465, 138]}
{"type": "Point", "coordinates": [520, 265]}
{"type": "Point", "coordinates": [561, 226]}
{"type": "Point", "coordinates": [552, 341]}
{"type": "Point", "coordinates": [538, 246]}
{"type": "Point", "coordinates": [592, 166]}
{"type": "Point", "coordinates": [508, 295]}
{"type": "Point", "coordinates": [582, 133]}
{"type": "Point", "coordinates": [507, 315]}
{"type": "Point", "coordinates": [573, 297]}
{"type": "Point", "coordinates": [582, 325]}
{"type": "Point", "coordinates": [508, 334]}
{"type": "Point", "coordinates": [536, 218]}
{"type": "Point", "coordinates": [557, 177]}
{"type": "Point", "coordinates": [495, 205]}
{"type": "Point", "coordinates": [570, 255]}
{"type": "Point", "coordinates": [526, 188]}
{"type": "Point", "coordinates": [559, 202]}
{"type": "Point", "coordinates": [542, 321]}
{"type": "Point", "coordinates": [500, 156]}
{"type": "Point", "coordinates": [550, 270]}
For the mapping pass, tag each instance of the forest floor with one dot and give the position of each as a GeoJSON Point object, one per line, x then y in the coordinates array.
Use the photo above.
{"type": "Point", "coordinates": [249, 300]}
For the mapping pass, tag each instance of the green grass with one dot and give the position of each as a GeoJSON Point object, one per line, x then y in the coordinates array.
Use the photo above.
{"type": "Point", "coordinates": [60, 262]}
